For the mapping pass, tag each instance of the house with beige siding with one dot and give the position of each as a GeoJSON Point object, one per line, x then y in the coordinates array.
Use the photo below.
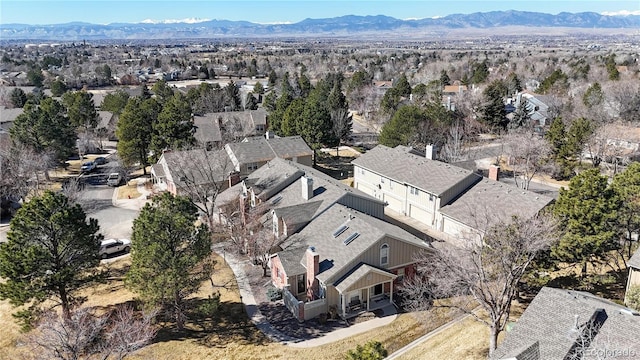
{"type": "Point", "coordinates": [634, 270]}
{"type": "Point", "coordinates": [345, 261]}
{"type": "Point", "coordinates": [446, 198]}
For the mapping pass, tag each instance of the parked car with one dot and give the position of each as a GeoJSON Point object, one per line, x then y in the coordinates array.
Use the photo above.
{"type": "Point", "coordinates": [114, 179]}
{"type": "Point", "coordinates": [112, 246]}
{"type": "Point", "coordinates": [100, 160]}
{"type": "Point", "coordinates": [88, 166]}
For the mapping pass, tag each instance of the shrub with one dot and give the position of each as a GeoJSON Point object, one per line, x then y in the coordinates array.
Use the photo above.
{"type": "Point", "coordinates": [632, 298]}
{"type": "Point", "coordinates": [274, 294]}
{"type": "Point", "coordinates": [373, 350]}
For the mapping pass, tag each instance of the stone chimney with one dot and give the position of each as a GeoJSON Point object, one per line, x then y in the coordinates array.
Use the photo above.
{"type": "Point", "coordinates": [307, 187]}
{"type": "Point", "coordinates": [494, 172]}
{"type": "Point", "coordinates": [431, 152]}
{"type": "Point", "coordinates": [313, 267]}
{"type": "Point", "coordinates": [234, 178]}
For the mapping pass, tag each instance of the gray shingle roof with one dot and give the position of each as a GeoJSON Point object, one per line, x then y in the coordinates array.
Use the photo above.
{"type": "Point", "coordinates": [259, 149]}
{"type": "Point", "coordinates": [207, 128]}
{"type": "Point", "coordinates": [500, 200]}
{"type": "Point", "coordinates": [550, 320]}
{"type": "Point", "coordinates": [105, 119]}
{"type": "Point", "coordinates": [335, 257]}
{"type": "Point", "coordinates": [292, 261]}
{"type": "Point", "coordinates": [404, 166]}
{"type": "Point", "coordinates": [635, 260]}
{"type": "Point", "coordinates": [198, 166]}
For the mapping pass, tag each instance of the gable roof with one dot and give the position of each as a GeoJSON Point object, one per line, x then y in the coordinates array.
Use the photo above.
{"type": "Point", "coordinates": [260, 149]}
{"type": "Point", "coordinates": [198, 165]}
{"type": "Point", "coordinates": [550, 320]}
{"type": "Point", "coordinates": [358, 273]}
{"type": "Point", "coordinates": [404, 166]}
{"type": "Point", "coordinates": [207, 128]}
{"type": "Point", "coordinates": [500, 200]}
{"type": "Point", "coordinates": [7, 116]}
{"type": "Point", "coordinates": [105, 119]}
{"type": "Point", "coordinates": [336, 257]}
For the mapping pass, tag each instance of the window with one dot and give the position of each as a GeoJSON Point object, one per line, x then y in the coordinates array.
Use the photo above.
{"type": "Point", "coordinates": [384, 254]}
{"type": "Point", "coordinates": [252, 166]}
{"type": "Point", "coordinates": [377, 290]}
{"type": "Point", "coordinates": [302, 283]}
{"type": "Point", "coordinates": [414, 191]}
{"type": "Point", "coordinates": [400, 274]}
{"type": "Point", "coordinates": [382, 180]}
{"type": "Point", "coordinates": [390, 184]}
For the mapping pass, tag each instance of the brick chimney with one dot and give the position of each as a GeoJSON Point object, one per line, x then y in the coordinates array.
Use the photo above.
{"type": "Point", "coordinates": [313, 267]}
{"type": "Point", "coordinates": [307, 187]}
{"type": "Point", "coordinates": [234, 178]}
{"type": "Point", "coordinates": [494, 172]}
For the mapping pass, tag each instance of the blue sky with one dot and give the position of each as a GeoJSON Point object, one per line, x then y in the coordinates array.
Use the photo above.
{"type": "Point", "coordinates": [262, 11]}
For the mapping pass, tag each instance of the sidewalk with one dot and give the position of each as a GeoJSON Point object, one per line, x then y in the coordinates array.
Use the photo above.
{"type": "Point", "coordinates": [275, 335]}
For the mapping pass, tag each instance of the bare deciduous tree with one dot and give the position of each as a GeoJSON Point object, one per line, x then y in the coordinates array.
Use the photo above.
{"type": "Point", "coordinates": [86, 335]}
{"type": "Point", "coordinates": [483, 269]}
{"type": "Point", "coordinates": [527, 153]}
{"type": "Point", "coordinates": [201, 175]}
{"type": "Point", "coordinates": [20, 170]}
{"type": "Point", "coordinates": [455, 148]}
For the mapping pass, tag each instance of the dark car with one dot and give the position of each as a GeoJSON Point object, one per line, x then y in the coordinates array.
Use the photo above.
{"type": "Point", "coordinates": [100, 160]}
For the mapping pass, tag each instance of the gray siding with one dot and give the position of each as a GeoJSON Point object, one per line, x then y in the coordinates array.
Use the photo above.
{"type": "Point", "coordinates": [459, 188]}
{"type": "Point", "coordinates": [363, 205]}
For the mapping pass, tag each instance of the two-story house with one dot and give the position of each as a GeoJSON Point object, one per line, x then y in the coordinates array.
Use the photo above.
{"type": "Point", "coordinates": [251, 153]}
{"type": "Point", "coordinates": [345, 260]}
{"type": "Point", "coordinates": [446, 198]}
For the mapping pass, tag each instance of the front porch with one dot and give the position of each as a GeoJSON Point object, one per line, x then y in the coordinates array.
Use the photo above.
{"type": "Point", "coordinates": [382, 302]}
{"type": "Point", "coordinates": [365, 289]}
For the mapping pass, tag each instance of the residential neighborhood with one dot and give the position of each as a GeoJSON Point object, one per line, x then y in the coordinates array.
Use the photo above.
{"type": "Point", "coordinates": [329, 198]}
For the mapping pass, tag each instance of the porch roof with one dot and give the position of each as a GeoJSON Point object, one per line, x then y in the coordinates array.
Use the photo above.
{"type": "Point", "coordinates": [359, 272]}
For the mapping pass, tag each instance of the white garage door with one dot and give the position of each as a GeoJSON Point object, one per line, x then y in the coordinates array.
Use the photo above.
{"type": "Point", "coordinates": [364, 188]}
{"type": "Point", "coordinates": [394, 204]}
{"type": "Point", "coordinates": [420, 214]}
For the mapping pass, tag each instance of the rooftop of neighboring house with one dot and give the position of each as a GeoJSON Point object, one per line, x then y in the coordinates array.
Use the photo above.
{"type": "Point", "coordinates": [260, 149]}
{"type": "Point", "coordinates": [328, 233]}
{"type": "Point", "coordinates": [495, 199]}
{"type": "Point", "coordinates": [7, 116]}
{"type": "Point", "coordinates": [207, 128]}
{"type": "Point", "coordinates": [556, 324]}
{"type": "Point", "coordinates": [635, 260]}
{"type": "Point", "coordinates": [403, 165]}
{"type": "Point", "coordinates": [279, 183]}
{"type": "Point", "coordinates": [198, 166]}
{"type": "Point", "coordinates": [454, 89]}
{"type": "Point", "coordinates": [104, 119]}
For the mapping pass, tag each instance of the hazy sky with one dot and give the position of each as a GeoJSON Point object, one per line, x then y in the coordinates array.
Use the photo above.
{"type": "Point", "coordinates": [262, 11]}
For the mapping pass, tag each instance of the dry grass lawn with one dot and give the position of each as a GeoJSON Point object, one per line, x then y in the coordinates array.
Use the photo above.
{"type": "Point", "coordinates": [228, 335]}
{"type": "Point", "coordinates": [468, 339]}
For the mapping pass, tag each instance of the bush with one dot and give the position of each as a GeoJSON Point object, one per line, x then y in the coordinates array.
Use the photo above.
{"type": "Point", "coordinates": [274, 294]}
{"type": "Point", "coordinates": [632, 298]}
{"type": "Point", "coordinates": [373, 350]}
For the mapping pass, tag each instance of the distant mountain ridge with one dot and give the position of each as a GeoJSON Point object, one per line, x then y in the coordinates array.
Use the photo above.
{"type": "Point", "coordinates": [348, 25]}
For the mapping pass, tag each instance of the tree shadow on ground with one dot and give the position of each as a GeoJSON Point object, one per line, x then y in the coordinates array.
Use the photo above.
{"type": "Point", "coordinates": [607, 285]}
{"type": "Point", "coordinates": [282, 320]}
{"type": "Point", "coordinates": [226, 325]}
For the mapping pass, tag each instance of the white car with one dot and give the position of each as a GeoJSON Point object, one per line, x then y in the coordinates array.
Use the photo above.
{"type": "Point", "coordinates": [112, 246]}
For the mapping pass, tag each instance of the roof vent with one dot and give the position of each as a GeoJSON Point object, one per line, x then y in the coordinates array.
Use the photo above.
{"type": "Point", "coordinates": [276, 200]}
{"type": "Point", "coordinates": [351, 237]}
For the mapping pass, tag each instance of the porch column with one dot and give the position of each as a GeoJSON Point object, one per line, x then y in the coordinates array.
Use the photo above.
{"type": "Point", "coordinates": [368, 298]}
{"type": "Point", "coordinates": [391, 292]}
{"type": "Point", "coordinates": [344, 306]}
